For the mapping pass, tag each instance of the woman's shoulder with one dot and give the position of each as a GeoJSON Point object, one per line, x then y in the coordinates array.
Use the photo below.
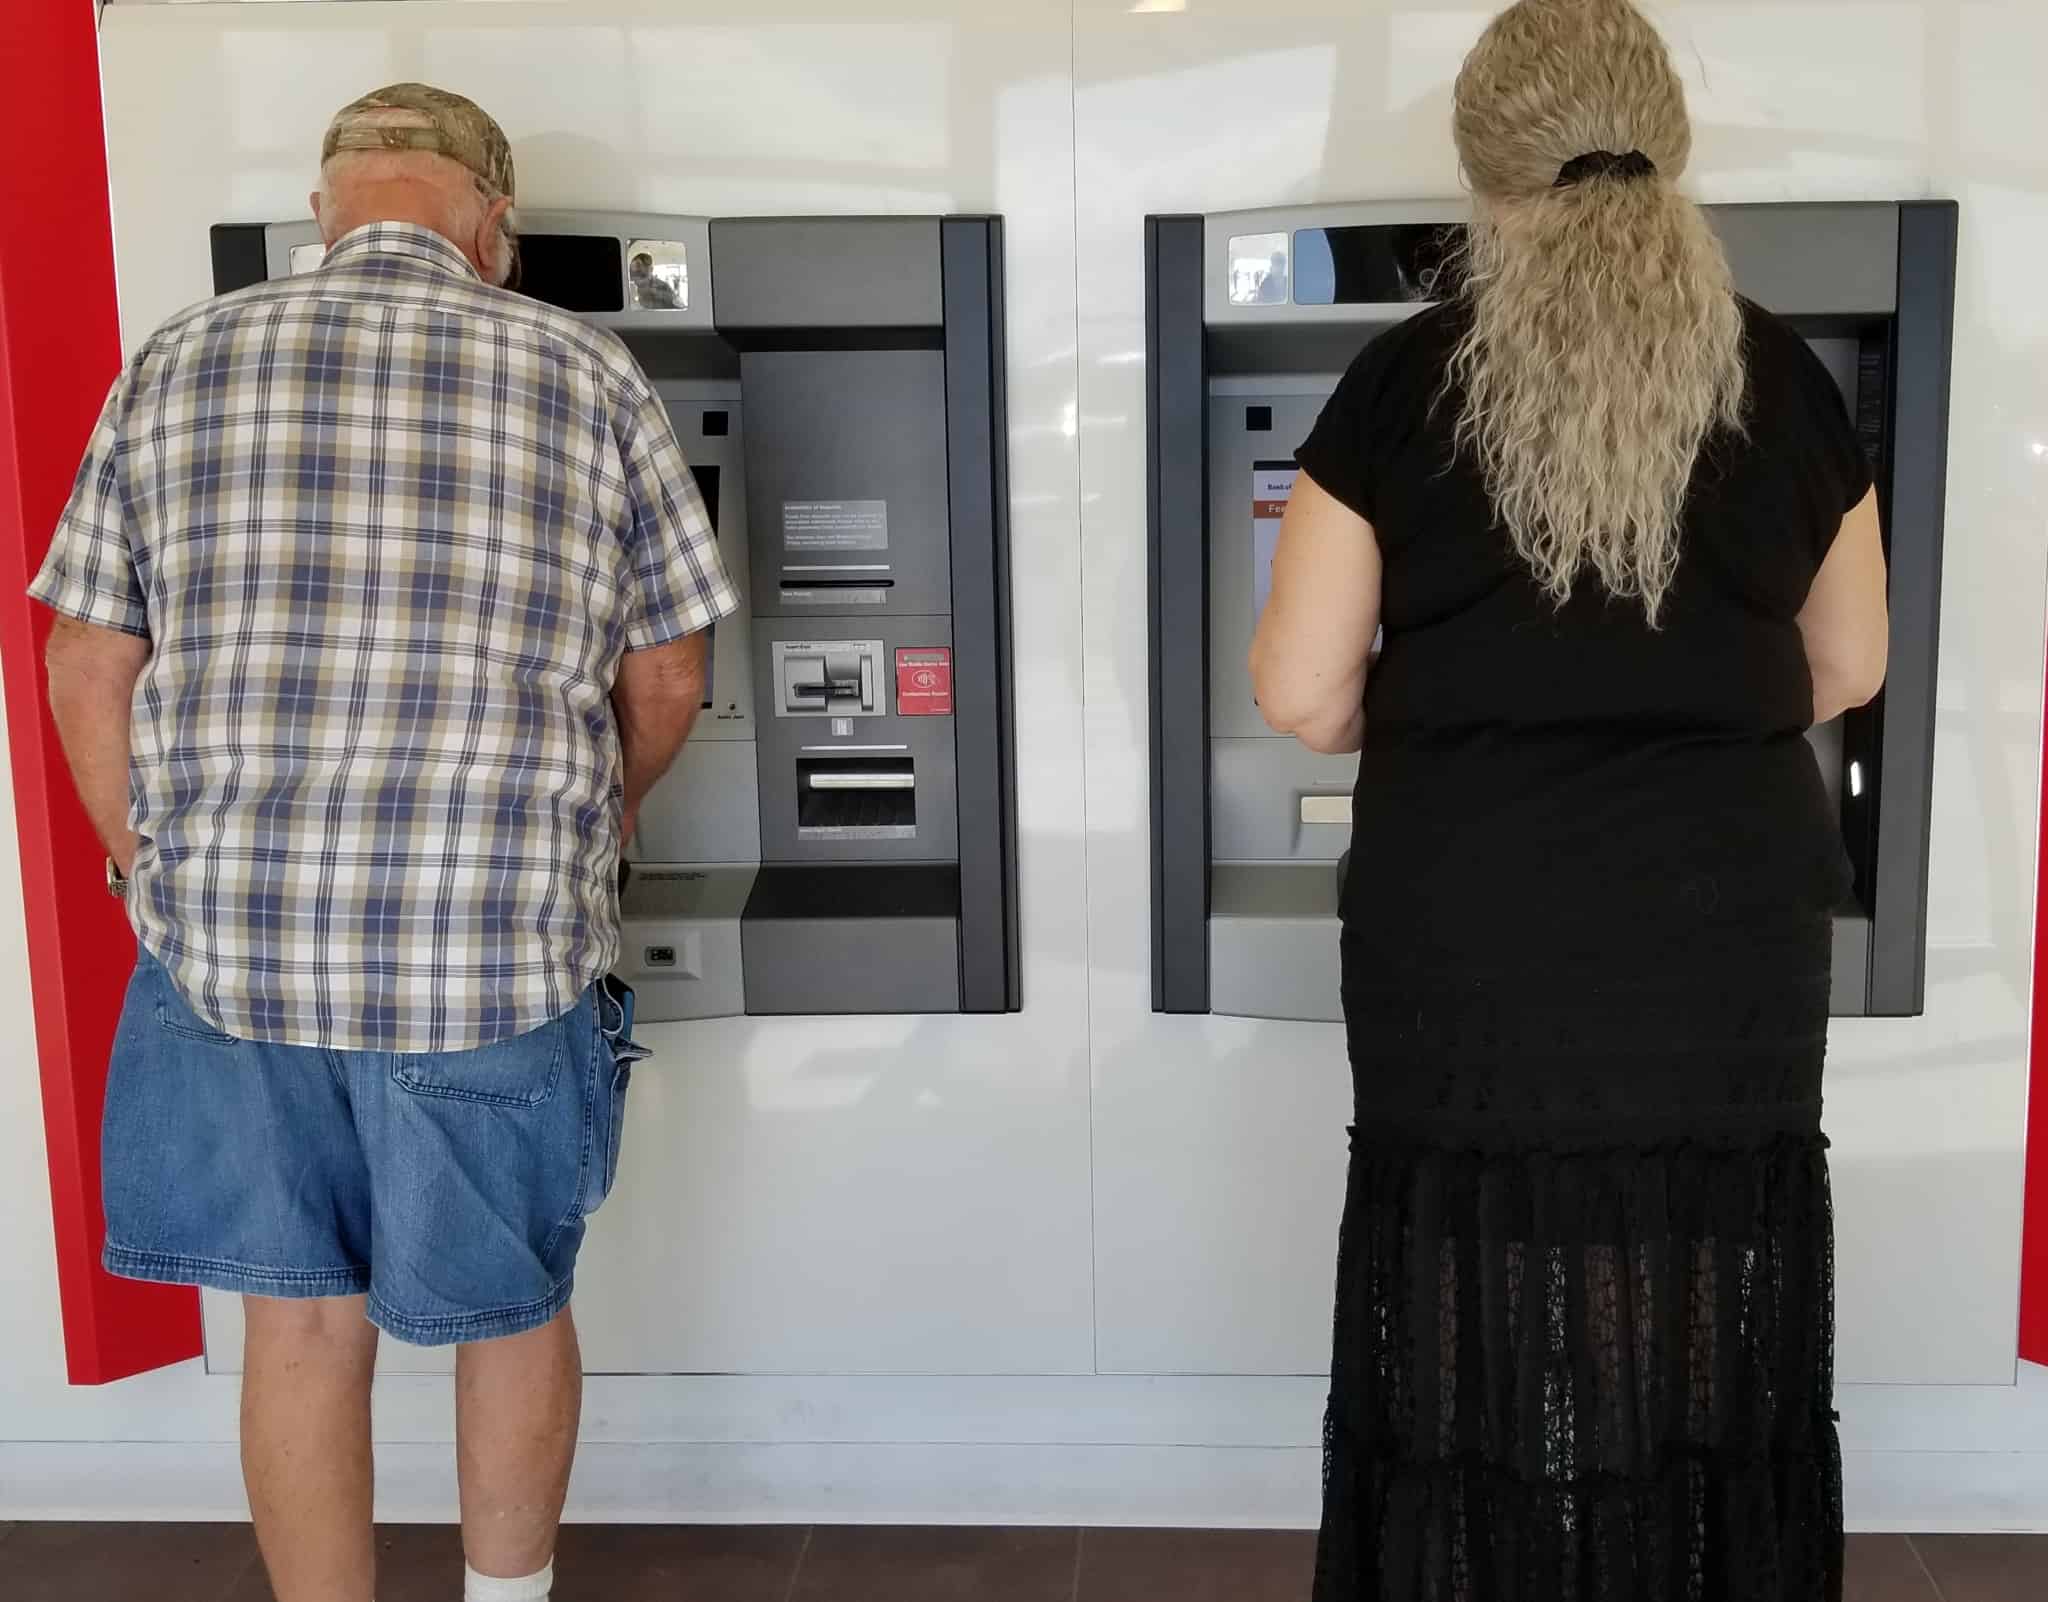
{"type": "Point", "coordinates": [1768, 340]}
{"type": "Point", "coordinates": [1428, 337]}
{"type": "Point", "coordinates": [1408, 356]}
{"type": "Point", "coordinates": [1790, 386]}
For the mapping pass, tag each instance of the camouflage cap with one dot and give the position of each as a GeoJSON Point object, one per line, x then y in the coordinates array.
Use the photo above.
{"type": "Point", "coordinates": [417, 116]}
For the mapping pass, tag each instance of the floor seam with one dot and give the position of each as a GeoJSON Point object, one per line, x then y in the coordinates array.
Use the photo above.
{"type": "Point", "coordinates": [1913, 1546]}
{"type": "Point", "coordinates": [802, 1552]}
{"type": "Point", "coordinates": [1080, 1535]}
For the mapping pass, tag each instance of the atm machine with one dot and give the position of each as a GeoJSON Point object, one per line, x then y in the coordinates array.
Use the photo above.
{"type": "Point", "coordinates": [839, 835]}
{"type": "Point", "coordinates": [1251, 318]}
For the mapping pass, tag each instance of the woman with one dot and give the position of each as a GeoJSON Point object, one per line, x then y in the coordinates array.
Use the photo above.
{"type": "Point", "coordinates": [1621, 538]}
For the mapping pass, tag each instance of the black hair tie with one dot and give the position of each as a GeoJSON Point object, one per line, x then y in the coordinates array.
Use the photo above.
{"type": "Point", "coordinates": [1604, 164]}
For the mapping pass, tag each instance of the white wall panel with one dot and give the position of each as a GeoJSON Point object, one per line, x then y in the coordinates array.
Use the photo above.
{"type": "Point", "coordinates": [803, 1195]}
{"type": "Point", "coordinates": [1237, 1127]}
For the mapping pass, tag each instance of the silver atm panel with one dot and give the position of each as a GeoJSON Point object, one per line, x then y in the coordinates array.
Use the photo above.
{"type": "Point", "coordinates": [851, 574]}
{"type": "Point", "coordinates": [843, 333]}
{"type": "Point", "coordinates": [839, 835]}
{"type": "Point", "coordinates": [1280, 813]}
{"type": "Point", "coordinates": [698, 849]}
{"type": "Point", "coordinates": [1250, 331]}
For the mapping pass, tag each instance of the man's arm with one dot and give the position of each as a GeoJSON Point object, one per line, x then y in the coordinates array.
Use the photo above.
{"type": "Point", "coordinates": [656, 697]}
{"type": "Point", "coordinates": [92, 693]}
{"type": "Point", "coordinates": [679, 588]}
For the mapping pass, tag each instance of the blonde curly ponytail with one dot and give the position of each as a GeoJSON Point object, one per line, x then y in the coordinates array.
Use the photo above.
{"type": "Point", "coordinates": [1606, 340]}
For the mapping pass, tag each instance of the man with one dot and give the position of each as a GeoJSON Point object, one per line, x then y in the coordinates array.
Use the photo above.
{"type": "Point", "coordinates": [383, 593]}
{"type": "Point", "coordinates": [650, 293]}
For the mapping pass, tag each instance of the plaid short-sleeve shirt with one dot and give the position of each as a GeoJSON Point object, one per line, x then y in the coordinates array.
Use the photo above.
{"type": "Point", "coordinates": [389, 532]}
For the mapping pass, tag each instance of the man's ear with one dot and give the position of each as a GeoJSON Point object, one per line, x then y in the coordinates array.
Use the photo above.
{"type": "Point", "coordinates": [491, 242]}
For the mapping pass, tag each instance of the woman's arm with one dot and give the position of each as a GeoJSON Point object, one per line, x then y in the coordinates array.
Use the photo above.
{"type": "Point", "coordinates": [1309, 656]}
{"type": "Point", "coordinates": [1846, 622]}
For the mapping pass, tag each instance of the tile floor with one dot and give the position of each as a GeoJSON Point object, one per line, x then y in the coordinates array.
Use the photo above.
{"type": "Point", "coordinates": [644, 1563]}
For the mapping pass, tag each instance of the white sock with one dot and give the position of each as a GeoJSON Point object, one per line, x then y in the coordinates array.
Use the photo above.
{"type": "Point", "coordinates": [482, 1588]}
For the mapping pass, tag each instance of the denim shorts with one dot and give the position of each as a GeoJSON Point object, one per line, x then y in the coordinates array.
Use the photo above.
{"type": "Point", "coordinates": [451, 1189]}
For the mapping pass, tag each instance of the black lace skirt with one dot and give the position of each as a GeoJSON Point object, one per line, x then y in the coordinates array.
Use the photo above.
{"type": "Point", "coordinates": [1584, 1332]}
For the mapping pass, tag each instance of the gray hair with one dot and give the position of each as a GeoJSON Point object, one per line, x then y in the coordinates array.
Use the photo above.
{"type": "Point", "coordinates": [463, 205]}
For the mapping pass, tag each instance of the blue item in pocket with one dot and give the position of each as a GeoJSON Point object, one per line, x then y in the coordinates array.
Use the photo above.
{"type": "Point", "coordinates": [615, 1012]}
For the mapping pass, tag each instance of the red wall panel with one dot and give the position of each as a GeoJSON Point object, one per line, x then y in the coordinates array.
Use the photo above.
{"type": "Point", "coordinates": [2034, 1255]}
{"type": "Point", "coordinates": [59, 350]}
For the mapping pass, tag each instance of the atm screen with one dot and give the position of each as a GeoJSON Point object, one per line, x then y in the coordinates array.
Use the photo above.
{"type": "Point", "coordinates": [1373, 266]}
{"type": "Point", "coordinates": [1272, 489]}
{"type": "Point", "coordinates": [1272, 486]}
{"type": "Point", "coordinates": [577, 272]}
{"type": "Point", "coordinates": [707, 489]}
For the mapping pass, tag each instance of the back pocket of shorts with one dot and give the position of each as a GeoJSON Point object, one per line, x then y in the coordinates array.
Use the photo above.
{"type": "Point", "coordinates": [174, 1015]}
{"type": "Point", "coordinates": [520, 1072]}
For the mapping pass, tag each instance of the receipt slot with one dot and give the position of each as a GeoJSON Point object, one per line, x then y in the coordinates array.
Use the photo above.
{"type": "Point", "coordinates": [839, 836]}
{"type": "Point", "coordinates": [1251, 318]}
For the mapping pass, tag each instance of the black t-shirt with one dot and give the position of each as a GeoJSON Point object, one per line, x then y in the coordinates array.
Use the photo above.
{"type": "Point", "coordinates": [1569, 776]}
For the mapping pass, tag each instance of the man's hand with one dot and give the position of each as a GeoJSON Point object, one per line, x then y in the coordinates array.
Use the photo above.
{"type": "Point", "coordinates": [92, 693]}
{"type": "Point", "coordinates": [657, 697]}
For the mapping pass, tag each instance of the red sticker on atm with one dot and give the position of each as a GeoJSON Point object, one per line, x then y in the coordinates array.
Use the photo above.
{"type": "Point", "coordinates": [924, 683]}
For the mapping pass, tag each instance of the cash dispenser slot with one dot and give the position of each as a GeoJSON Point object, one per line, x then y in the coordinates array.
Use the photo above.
{"type": "Point", "coordinates": [859, 779]}
{"type": "Point", "coordinates": [856, 795]}
{"type": "Point", "coordinates": [1251, 319]}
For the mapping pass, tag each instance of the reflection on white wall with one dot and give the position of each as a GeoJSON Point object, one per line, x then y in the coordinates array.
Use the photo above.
{"type": "Point", "coordinates": [1998, 121]}
{"type": "Point", "coordinates": [277, 77]}
{"type": "Point", "coordinates": [1267, 112]}
{"type": "Point", "coordinates": [2006, 228]}
{"type": "Point", "coordinates": [1961, 882]}
{"type": "Point", "coordinates": [756, 99]}
{"type": "Point", "coordinates": [1424, 51]}
{"type": "Point", "coordinates": [285, 96]}
{"type": "Point", "coordinates": [541, 97]}
{"type": "Point", "coordinates": [1804, 72]}
{"type": "Point", "coordinates": [1794, 99]}
{"type": "Point", "coordinates": [1034, 194]}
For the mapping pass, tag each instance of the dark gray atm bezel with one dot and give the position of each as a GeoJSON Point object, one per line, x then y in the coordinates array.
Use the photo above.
{"type": "Point", "coordinates": [1820, 265]}
{"type": "Point", "coordinates": [939, 281]}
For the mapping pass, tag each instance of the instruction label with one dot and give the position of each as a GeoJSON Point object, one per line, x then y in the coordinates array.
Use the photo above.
{"type": "Point", "coordinates": [835, 598]}
{"type": "Point", "coordinates": [924, 683]}
{"type": "Point", "coordinates": [815, 526]}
